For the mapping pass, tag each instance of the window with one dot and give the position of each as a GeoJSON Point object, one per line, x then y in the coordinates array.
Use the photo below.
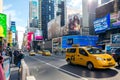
{"type": "Point", "coordinates": [73, 50]}
{"type": "Point", "coordinates": [95, 51]}
{"type": "Point", "coordinates": [83, 52]}
{"type": "Point", "coordinates": [50, 17]}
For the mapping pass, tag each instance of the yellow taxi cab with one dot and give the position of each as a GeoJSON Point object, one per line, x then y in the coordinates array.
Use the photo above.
{"type": "Point", "coordinates": [40, 52]}
{"type": "Point", "coordinates": [91, 57]}
{"type": "Point", "coordinates": [32, 53]}
{"type": "Point", "coordinates": [46, 53]}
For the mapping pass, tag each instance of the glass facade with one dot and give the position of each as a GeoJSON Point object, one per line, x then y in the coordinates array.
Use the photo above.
{"type": "Point", "coordinates": [104, 1]}
{"type": "Point", "coordinates": [61, 11]}
{"type": "Point", "coordinates": [47, 14]}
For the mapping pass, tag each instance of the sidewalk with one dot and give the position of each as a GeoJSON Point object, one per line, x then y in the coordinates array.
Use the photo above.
{"type": "Point", "coordinates": [14, 72]}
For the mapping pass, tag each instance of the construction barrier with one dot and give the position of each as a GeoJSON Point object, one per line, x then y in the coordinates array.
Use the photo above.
{"type": "Point", "coordinates": [30, 78]}
{"type": "Point", "coordinates": [24, 73]}
{"type": "Point", "coordinates": [6, 67]}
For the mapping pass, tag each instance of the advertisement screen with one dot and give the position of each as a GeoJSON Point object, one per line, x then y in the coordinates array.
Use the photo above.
{"type": "Point", "coordinates": [115, 38]}
{"type": "Point", "coordinates": [9, 36]}
{"type": "Point", "coordinates": [13, 27]}
{"type": "Point", "coordinates": [102, 24]}
{"type": "Point", "coordinates": [38, 35]}
{"type": "Point", "coordinates": [3, 25]}
{"type": "Point", "coordinates": [114, 13]}
{"type": "Point", "coordinates": [29, 37]}
{"type": "Point", "coordinates": [115, 19]}
{"type": "Point", "coordinates": [74, 24]}
{"type": "Point", "coordinates": [54, 28]}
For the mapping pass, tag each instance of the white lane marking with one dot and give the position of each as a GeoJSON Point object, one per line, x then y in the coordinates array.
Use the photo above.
{"type": "Point", "coordinates": [59, 68]}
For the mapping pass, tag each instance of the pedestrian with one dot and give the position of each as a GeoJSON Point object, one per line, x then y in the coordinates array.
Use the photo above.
{"type": "Point", "coordinates": [19, 58]}
{"type": "Point", "coordinates": [2, 76]}
{"type": "Point", "coordinates": [10, 55]}
{"type": "Point", "coordinates": [4, 52]}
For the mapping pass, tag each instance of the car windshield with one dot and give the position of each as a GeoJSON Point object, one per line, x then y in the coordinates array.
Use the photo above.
{"type": "Point", "coordinates": [95, 51]}
{"type": "Point", "coordinates": [46, 51]}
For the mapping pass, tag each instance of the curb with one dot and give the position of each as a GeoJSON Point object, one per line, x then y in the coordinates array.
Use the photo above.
{"type": "Point", "coordinates": [25, 74]}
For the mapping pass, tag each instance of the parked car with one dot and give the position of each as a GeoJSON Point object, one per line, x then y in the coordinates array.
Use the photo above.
{"type": "Point", "coordinates": [91, 57]}
{"type": "Point", "coordinates": [116, 55]}
{"type": "Point", "coordinates": [46, 53]}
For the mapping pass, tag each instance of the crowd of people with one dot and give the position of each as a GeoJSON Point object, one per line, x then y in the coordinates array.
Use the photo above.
{"type": "Point", "coordinates": [15, 57]}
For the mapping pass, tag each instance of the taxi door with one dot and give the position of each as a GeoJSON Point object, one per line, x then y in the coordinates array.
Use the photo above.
{"type": "Point", "coordinates": [82, 57]}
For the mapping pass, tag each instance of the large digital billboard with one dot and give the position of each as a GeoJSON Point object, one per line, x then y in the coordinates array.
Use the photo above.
{"type": "Point", "coordinates": [54, 28]}
{"type": "Point", "coordinates": [3, 25]}
{"type": "Point", "coordinates": [74, 24]}
{"type": "Point", "coordinates": [38, 35]}
{"type": "Point", "coordinates": [109, 8]}
{"type": "Point", "coordinates": [102, 24]}
{"type": "Point", "coordinates": [115, 19]}
{"type": "Point", "coordinates": [115, 38]}
{"type": "Point", "coordinates": [29, 39]}
{"type": "Point", "coordinates": [13, 26]}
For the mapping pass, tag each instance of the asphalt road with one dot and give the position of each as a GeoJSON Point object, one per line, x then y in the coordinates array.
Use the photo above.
{"type": "Point", "coordinates": [56, 68]}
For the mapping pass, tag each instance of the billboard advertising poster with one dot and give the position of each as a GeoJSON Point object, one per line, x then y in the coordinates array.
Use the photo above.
{"type": "Point", "coordinates": [38, 35]}
{"type": "Point", "coordinates": [29, 37]}
{"type": "Point", "coordinates": [3, 25]}
{"type": "Point", "coordinates": [115, 38]}
{"type": "Point", "coordinates": [9, 36]}
{"type": "Point", "coordinates": [54, 28]}
{"type": "Point", "coordinates": [115, 19]}
{"type": "Point", "coordinates": [13, 27]}
{"type": "Point", "coordinates": [102, 24]}
{"type": "Point", "coordinates": [74, 24]}
{"type": "Point", "coordinates": [6, 66]}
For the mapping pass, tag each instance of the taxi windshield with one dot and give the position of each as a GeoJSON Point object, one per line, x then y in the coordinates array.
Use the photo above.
{"type": "Point", "coordinates": [95, 51]}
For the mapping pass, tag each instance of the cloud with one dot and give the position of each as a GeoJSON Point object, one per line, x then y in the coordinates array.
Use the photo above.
{"type": "Point", "coordinates": [75, 4]}
{"type": "Point", "coordinates": [6, 7]}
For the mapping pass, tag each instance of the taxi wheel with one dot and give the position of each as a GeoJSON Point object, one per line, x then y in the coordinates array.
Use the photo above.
{"type": "Point", "coordinates": [68, 61]}
{"type": "Point", "coordinates": [90, 66]}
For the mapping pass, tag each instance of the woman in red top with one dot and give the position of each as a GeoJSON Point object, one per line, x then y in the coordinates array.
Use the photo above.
{"type": "Point", "coordinates": [2, 76]}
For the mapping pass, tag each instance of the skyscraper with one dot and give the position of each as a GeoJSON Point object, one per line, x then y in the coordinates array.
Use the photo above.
{"type": "Point", "coordinates": [60, 9]}
{"type": "Point", "coordinates": [104, 1]}
{"type": "Point", "coordinates": [1, 6]}
{"type": "Point", "coordinates": [89, 8]}
{"type": "Point", "coordinates": [33, 14]}
{"type": "Point", "coordinates": [46, 13]}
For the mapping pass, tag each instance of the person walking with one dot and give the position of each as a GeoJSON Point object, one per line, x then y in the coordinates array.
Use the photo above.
{"type": "Point", "coordinates": [4, 52]}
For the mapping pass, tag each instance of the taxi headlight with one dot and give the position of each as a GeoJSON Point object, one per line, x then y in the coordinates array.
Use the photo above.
{"type": "Point", "coordinates": [99, 58]}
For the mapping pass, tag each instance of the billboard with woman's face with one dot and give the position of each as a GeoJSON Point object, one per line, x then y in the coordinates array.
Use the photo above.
{"type": "Point", "coordinates": [74, 24]}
